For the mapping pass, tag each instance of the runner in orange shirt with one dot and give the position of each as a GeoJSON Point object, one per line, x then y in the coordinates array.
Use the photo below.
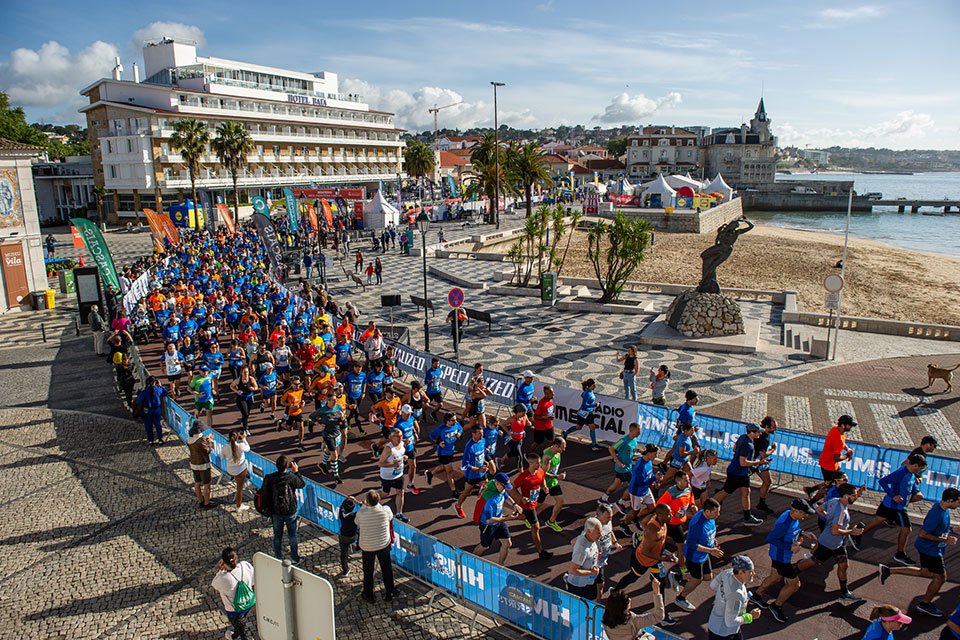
{"type": "Point", "coordinates": [835, 451]}
{"type": "Point", "coordinates": [389, 408]}
{"type": "Point", "coordinates": [293, 401]}
{"type": "Point", "coordinates": [650, 555]}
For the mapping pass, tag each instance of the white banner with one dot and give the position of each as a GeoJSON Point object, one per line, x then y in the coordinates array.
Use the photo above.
{"type": "Point", "coordinates": [614, 415]}
{"type": "Point", "coordinates": [138, 290]}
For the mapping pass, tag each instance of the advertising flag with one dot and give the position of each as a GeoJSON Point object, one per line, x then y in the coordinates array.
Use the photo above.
{"type": "Point", "coordinates": [209, 217]}
{"type": "Point", "coordinates": [77, 240]}
{"type": "Point", "coordinates": [342, 207]}
{"type": "Point", "coordinates": [260, 205]}
{"type": "Point", "coordinates": [327, 212]}
{"type": "Point", "coordinates": [169, 230]}
{"type": "Point", "coordinates": [156, 228]}
{"type": "Point", "coordinates": [268, 236]}
{"type": "Point", "coordinates": [312, 216]}
{"type": "Point", "coordinates": [292, 214]}
{"type": "Point", "coordinates": [227, 216]}
{"type": "Point", "coordinates": [97, 247]}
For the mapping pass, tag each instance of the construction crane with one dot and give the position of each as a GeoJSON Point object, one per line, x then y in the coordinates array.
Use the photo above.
{"type": "Point", "coordinates": [435, 111]}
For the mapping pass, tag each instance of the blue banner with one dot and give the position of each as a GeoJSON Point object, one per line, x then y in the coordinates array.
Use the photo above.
{"type": "Point", "coordinates": [292, 214]}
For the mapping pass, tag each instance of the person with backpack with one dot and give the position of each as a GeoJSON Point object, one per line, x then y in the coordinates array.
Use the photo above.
{"type": "Point", "coordinates": [280, 487]}
{"type": "Point", "coordinates": [234, 583]}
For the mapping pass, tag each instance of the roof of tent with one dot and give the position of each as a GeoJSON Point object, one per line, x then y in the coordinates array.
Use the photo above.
{"type": "Point", "coordinates": [677, 181]}
{"type": "Point", "coordinates": [379, 204]}
{"type": "Point", "coordinates": [718, 185]}
{"type": "Point", "coordinates": [658, 186]}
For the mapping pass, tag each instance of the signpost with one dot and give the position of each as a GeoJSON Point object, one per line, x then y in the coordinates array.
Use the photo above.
{"type": "Point", "coordinates": [455, 298]}
{"type": "Point", "coordinates": [292, 602]}
{"type": "Point", "coordinates": [833, 284]}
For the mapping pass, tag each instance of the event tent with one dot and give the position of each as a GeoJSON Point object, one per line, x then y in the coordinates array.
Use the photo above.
{"type": "Point", "coordinates": [660, 186]}
{"type": "Point", "coordinates": [378, 212]}
{"type": "Point", "coordinates": [681, 181]}
{"type": "Point", "coordinates": [719, 186]}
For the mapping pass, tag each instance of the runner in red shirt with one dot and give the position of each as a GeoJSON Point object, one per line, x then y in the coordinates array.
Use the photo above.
{"type": "Point", "coordinates": [307, 357]}
{"type": "Point", "coordinates": [543, 420]}
{"type": "Point", "coordinates": [526, 493]}
{"type": "Point", "coordinates": [835, 451]}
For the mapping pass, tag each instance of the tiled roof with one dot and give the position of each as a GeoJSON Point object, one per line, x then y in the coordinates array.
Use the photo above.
{"type": "Point", "coordinates": [10, 145]}
{"type": "Point", "coordinates": [448, 159]}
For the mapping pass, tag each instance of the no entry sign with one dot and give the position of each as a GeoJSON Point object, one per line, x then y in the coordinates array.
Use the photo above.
{"type": "Point", "coordinates": [455, 297]}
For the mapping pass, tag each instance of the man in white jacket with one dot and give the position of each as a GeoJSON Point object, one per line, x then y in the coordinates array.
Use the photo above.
{"type": "Point", "coordinates": [730, 605]}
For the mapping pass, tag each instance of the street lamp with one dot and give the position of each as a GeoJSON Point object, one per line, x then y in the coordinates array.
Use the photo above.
{"type": "Point", "coordinates": [423, 224]}
{"type": "Point", "coordinates": [496, 151]}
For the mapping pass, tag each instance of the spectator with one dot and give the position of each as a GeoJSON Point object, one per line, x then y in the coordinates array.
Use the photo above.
{"type": "Point", "coordinates": [50, 243]}
{"type": "Point", "coordinates": [283, 485]}
{"type": "Point", "coordinates": [237, 464]}
{"type": "Point", "coordinates": [619, 623]}
{"type": "Point", "coordinates": [308, 263]}
{"type": "Point", "coordinates": [378, 270]}
{"type": "Point", "coordinates": [150, 402]}
{"type": "Point", "coordinates": [375, 522]}
{"type": "Point", "coordinates": [237, 600]}
{"type": "Point", "coordinates": [200, 446]}
{"type": "Point", "coordinates": [347, 537]}
{"type": "Point", "coordinates": [98, 326]}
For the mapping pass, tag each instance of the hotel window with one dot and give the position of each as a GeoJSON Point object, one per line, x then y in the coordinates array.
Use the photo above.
{"type": "Point", "coordinates": [129, 146]}
{"type": "Point", "coordinates": [109, 146]}
{"type": "Point", "coordinates": [113, 171]}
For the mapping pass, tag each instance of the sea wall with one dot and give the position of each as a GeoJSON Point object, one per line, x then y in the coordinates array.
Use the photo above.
{"type": "Point", "coordinates": [684, 220]}
{"type": "Point", "coordinates": [774, 201]}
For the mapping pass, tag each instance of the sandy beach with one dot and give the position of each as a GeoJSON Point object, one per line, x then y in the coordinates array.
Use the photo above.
{"type": "Point", "coordinates": [881, 281]}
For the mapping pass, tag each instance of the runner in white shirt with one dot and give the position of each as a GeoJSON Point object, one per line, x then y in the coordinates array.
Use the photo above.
{"type": "Point", "coordinates": [391, 470]}
{"type": "Point", "coordinates": [173, 364]}
{"type": "Point", "coordinates": [282, 355]}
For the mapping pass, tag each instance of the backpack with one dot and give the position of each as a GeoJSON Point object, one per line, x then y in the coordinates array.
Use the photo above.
{"type": "Point", "coordinates": [244, 597]}
{"type": "Point", "coordinates": [263, 499]}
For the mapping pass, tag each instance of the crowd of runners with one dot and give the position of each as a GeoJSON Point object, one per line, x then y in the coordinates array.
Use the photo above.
{"type": "Point", "coordinates": [231, 335]}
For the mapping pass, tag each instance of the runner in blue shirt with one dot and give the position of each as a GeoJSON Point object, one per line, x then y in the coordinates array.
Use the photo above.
{"type": "Point", "coordinates": [642, 477]}
{"type": "Point", "coordinates": [684, 452]}
{"type": "Point", "coordinates": [171, 331]}
{"type": "Point", "coordinates": [202, 386]}
{"type": "Point", "coordinates": [445, 437]}
{"type": "Point", "coordinates": [932, 540]}
{"type": "Point", "coordinates": [491, 434]}
{"type": "Point", "coordinates": [526, 395]}
{"type": "Point", "coordinates": [738, 473]}
{"type": "Point", "coordinates": [344, 353]}
{"type": "Point", "coordinates": [214, 361]}
{"type": "Point", "coordinates": [887, 619]}
{"type": "Point", "coordinates": [699, 546]}
{"type": "Point", "coordinates": [899, 488]}
{"type": "Point", "coordinates": [493, 523]}
{"type": "Point", "coordinates": [355, 384]}
{"type": "Point", "coordinates": [268, 389]}
{"type": "Point", "coordinates": [433, 387]}
{"type": "Point", "coordinates": [407, 423]}
{"type": "Point", "coordinates": [586, 413]}
{"type": "Point", "coordinates": [474, 465]}
{"type": "Point", "coordinates": [952, 630]}
{"type": "Point", "coordinates": [785, 539]}
{"type": "Point", "coordinates": [622, 452]}
{"type": "Point", "coordinates": [375, 380]}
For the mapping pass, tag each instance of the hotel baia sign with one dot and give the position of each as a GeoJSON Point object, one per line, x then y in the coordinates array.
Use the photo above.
{"type": "Point", "coordinates": [322, 102]}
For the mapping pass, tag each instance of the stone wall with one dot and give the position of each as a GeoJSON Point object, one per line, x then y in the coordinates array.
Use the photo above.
{"type": "Point", "coordinates": [685, 220]}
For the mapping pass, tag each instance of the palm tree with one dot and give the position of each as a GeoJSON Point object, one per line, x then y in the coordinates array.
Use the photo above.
{"type": "Point", "coordinates": [526, 166]}
{"type": "Point", "coordinates": [99, 193]}
{"type": "Point", "coordinates": [190, 138]}
{"type": "Point", "coordinates": [232, 145]}
{"type": "Point", "coordinates": [483, 182]}
{"type": "Point", "coordinates": [484, 152]}
{"type": "Point", "coordinates": [419, 161]}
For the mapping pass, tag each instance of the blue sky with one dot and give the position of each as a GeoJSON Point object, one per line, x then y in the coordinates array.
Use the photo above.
{"type": "Point", "coordinates": [853, 74]}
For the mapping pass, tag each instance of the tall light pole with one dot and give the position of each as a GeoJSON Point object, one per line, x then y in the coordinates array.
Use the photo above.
{"type": "Point", "coordinates": [496, 150]}
{"type": "Point", "coordinates": [423, 223]}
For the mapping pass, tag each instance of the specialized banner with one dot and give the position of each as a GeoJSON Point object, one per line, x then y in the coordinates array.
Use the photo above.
{"type": "Point", "coordinates": [137, 290]}
{"type": "Point", "coordinates": [613, 415]}
{"type": "Point", "coordinates": [457, 376]}
{"type": "Point", "coordinates": [169, 230]}
{"type": "Point", "coordinates": [292, 214]}
{"type": "Point", "coordinates": [312, 217]}
{"type": "Point", "coordinates": [209, 215]}
{"type": "Point", "coordinates": [98, 249]}
{"type": "Point", "coordinates": [227, 216]}
{"type": "Point", "coordinates": [271, 243]}
{"type": "Point", "coordinates": [327, 212]}
{"type": "Point", "coordinates": [342, 209]}
{"type": "Point", "coordinates": [156, 228]}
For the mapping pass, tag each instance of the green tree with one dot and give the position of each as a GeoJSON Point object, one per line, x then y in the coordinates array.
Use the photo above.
{"type": "Point", "coordinates": [575, 217]}
{"type": "Point", "coordinates": [526, 166]}
{"type": "Point", "coordinates": [484, 152]}
{"type": "Point", "coordinates": [190, 138]}
{"type": "Point", "coordinates": [13, 125]}
{"type": "Point", "coordinates": [621, 246]}
{"type": "Point", "coordinates": [99, 193]}
{"type": "Point", "coordinates": [483, 182]}
{"type": "Point", "coordinates": [232, 145]}
{"type": "Point", "coordinates": [616, 147]}
{"type": "Point", "coordinates": [419, 161]}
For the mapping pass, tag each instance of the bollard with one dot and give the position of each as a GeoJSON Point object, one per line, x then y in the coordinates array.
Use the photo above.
{"type": "Point", "coordinates": [76, 322]}
{"type": "Point", "coordinates": [43, 331]}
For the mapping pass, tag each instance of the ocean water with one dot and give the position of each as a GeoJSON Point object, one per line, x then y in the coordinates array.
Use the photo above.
{"type": "Point", "coordinates": [934, 234]}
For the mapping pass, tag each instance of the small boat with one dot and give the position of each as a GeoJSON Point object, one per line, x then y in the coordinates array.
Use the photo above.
{"type": "Point", "coordinates": [932, 213]}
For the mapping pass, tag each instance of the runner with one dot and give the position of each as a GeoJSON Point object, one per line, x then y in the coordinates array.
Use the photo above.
{"type": "Point", "coordinates": [698, 548]}
{"type": "Point", "coordinates": [887, 619]}
{"type": "Point", "coordinates": [729, 611]}
{"type": "Point", "coordinates": [474, 466]}
{"type": "Point", "coordinates": [738, 473]}
{"type": "Point", "coordinates": [493, 524]}
{"type": "Point", "coordinates": [411, 431]}
{"type": "Point", "coordinates": [607, 544]}
{"type": "Point", "coordinates": [550, 463]}
{"type": "Point", "coordinates": [293, 401]}
{"type": "Point", "coordinates": [585, 414]}
{"type": "Point", "coordinates": [173, 364]}
{"type": "Point", "coordinates": [355, 383]}
{"type": "Point", "coordinates": [543, 420]}
{"type": "Point", "coordinates": [785, 539]}
{"type": "Point", "coordinates": [526, 395]}
{"type": "Point", "coordinates": [835, 451]}
{"type": "Point", "coordinates": [514, 439]}
{"type": "Point", "coordinates": [764, 449]}
{"type": "Point", "coordinates": [391, 471]}
{"type": "Point", "coordinates": [476, 410]}
{"type": "Point", "coordinates": [622, 453]}
{"type": "Point", "coordinates": [282, 354]}
{"type": "Point", "coordinates": [933, 539]}
{"type": "Point", "coordinates": [680, 500]}
{"type": "Point", "coordinates": [491, 435]}
{"type": "Point", "coordinates": [526, 491]}
{"type": "Point", "coordinates": [683, 452]}
{"type": "Point", "coordinates": [375, 382]}
{"type": "Point", "coordinates": [214, 361]}
{"type": "Point", "coordinates": [445, 437]}
{"type": "Point", "coordinates": [700, 474]}
{"type": "Point", "coordinates": [329, 416]}
{"type": "Point", "coordinates": [389, 409]}
{"type": "Point", "coordinates": [244, 386]}
{"type": "Point", "coordinates": [584, 567]}
{"type": "Point", "coordinates": [202, 386]}
{"type": "Point", "coordinates": [642, 477]}
{"type": "Point", "coordinates": [268, 390]}
{"type": "Point", "coordinates": [649, 556]}
{"type": "Point", "coordinates": [434, 390]}
{"type": "Point", "coordinates": [898, 488]}
{"type": "Point", "coordinates": [236, 358]}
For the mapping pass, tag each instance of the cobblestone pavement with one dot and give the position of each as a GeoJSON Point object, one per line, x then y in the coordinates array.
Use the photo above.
{"type": "Point", "coordinates": [101, 539]}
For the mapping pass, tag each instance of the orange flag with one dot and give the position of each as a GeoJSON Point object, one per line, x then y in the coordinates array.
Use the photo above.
{"type": "Point", "coordinates": [327, 212]}
{"type": "Point", "coordinates": [227, 216]}
{"type": "Point", "coordinates": [156, 227]}
{"type": "Point", "coordinates": [169, 229]}
{"type": "Point", "coordinates": [312, 217]}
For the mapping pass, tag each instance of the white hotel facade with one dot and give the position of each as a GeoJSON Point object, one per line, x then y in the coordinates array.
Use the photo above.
{"type": "Point", "coordinates": [305, 132]}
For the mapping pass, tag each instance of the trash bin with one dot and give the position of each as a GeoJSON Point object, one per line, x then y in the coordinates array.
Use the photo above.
{"type": "Point", "coordinates": [38, 300]}
{"type": "Point", "coordinates": [67, 283]}
{"type": "Point", "coordinates": [50, 296]}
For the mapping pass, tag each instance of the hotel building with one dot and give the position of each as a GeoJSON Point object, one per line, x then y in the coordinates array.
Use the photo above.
{"type": "Point", "coordinates": [305, 132]}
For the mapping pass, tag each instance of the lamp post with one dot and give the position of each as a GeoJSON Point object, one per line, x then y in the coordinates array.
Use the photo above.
{"type": "Point", "coordinates": [496, 150]}
{"type": "Point", "coordinates": [423, 223]}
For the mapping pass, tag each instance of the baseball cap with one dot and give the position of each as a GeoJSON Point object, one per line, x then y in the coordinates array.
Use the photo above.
{"type": "Point", "coordinates": [846, 420]}
{"type": "Point", "coordinates": [406, 409]}
{"type": "Point", "coordinates": [204, 367]}
{"type": "Point", "coordinates": [503, 479]}
{"type": "Point", "coordinates": [802, 505]}
{"type": "Point", "coordinates": [528, 374]}
{"type": "Point", "coordinates": [268, 365]}
{"type": "Point", "coordinates": [742, 563]}
{"type": "Point", "coordinates": [753, 427]}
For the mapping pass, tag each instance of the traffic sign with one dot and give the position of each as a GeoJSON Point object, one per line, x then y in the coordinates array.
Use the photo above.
{"type": "Point", "coordinates": [455, 297]}
{"type": "Point", "coordinates": [833, 283]}
{"type": "Point", "coordinates": [832, 300]}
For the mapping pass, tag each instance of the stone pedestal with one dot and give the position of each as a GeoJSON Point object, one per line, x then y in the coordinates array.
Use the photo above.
{"type": "Point", "coordinates": [705, 315]}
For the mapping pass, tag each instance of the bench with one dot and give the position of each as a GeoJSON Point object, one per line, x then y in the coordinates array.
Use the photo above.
{"type": "Point", "coordinates": [482, 316]}
{"type": "Point", "coordinates": [358, 281]}
{"type": "Point", "coordinates": [420, 302]}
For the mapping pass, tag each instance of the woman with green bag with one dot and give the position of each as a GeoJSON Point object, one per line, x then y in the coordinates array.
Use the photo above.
{"type": "Point", "coordinates": [234, 582]}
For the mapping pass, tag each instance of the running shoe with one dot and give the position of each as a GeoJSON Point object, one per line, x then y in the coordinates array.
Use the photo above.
{"type": "Point", "coordinates": [243, 507]}
{"type": "Point", "coordinates": [929, 609]}
{"type": "Point", "coordinates": [595, 448]}
{"type": "Point", "coordinates": [684, 604]}
{"type": "Point", "coordinates": [757, 599]}
{"type": "Point", "coordinates": [429, 477]}
{"type": "Point", "coordinates": [674, 580]}
{"type": "Point", "coordinates": [527, 524]}
{"type": "Point", "coordinates": [884, 573]}
{"type": "Point", "coordinates": [623, 529]}
{"type": "Point", "coordinates": [667, 621]}
{"type": "Point", "coordinates": [553, 525]}
{"type": "Point", "coordinates": [402, 518]}
{"type": "Point", "coordinates": [459, 510]}
{"type": "Point", "coordinates": [810, 491]}
{"type": "Point", "coordinates": [375, 450]}
{"type": "Point", "coordinates": [903, 558]}
{"type": "Point", "coordinates": [412, 489]}
{"type": "Point", "coordinates": [636, 539]}
{"type": "Point", "coordinates": [752, 521]}
{"type": "Point", "coordinates": [603, 499]}
{"type": "Point", "coordinates": [777, 613]}
{"type": "Point", "coordinates": [324, 468]}
{"type": "Point", "coordinates": [622, 509]}
{"type": "Point", "coordinates": [546, 555]}
{"type": "Point", "coordinates": [849, 596]}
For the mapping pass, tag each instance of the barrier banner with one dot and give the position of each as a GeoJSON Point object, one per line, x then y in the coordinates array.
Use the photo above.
{"type": "Point", "coordinates": [409, 360]}
{"type": "Point", "coordinates": [426, 557]}
{"type": "Point", "coordinates": [614, 415]}
{"type": "Point", "coordinates": [227, 216]}
{"type": "Point", "coordinates": [271, 243]}
{"type": "Point", "coordinates": [137, 290]}
{"type": "Point", "coordinates": [541, 609]}
{"type": "Point", "coordinates": [98, 250]}
{"type": "Point", "coordinates": [457, 376]}
{"type": "Point", "coordinates": [293, 216]}
{"type": "Point", "coordinates": [156, 228]}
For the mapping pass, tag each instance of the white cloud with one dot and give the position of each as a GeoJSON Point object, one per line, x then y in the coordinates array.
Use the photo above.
{"type": "Point", "coordinates": [51, 75]}
{"type": "Point", "coordinates": [411, 108]}
{"type": "Point", "coordinates": [904, 124]}
{"type": "Point", "coordinates": [160, 29]}
{"type": "Point", "coordinates": [906, 129]}
{"type": "Point", "coordinates": [853, 13]}
{"type": "Point", "coordinates": [627, 109]}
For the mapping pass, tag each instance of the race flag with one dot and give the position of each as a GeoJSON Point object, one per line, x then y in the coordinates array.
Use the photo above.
{"type": "Point", "coordinates": [156, 228]}
{"type": "Point", "coordinates": [312, 216]}
{"type": "Point", "coordinates": [97, 247]}
{"type": "Point", "coordinates": [169, 230]}
{"type": "Point", "coordinates": [227, 216]}
{"type": "Point", "coordinates": [268, 236]}
{"type": "Point", "coordinates": [327, 212]}
{"type": "Point", "coordinates": [292, 214]}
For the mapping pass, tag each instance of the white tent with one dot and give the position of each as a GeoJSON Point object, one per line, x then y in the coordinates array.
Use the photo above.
{"type": "Point", "coordinates": [660, 185]}
{"type": "Point", "coordinates": [678, 182]}
{"type": "Point", "coordinates": [719, 186]}
{"type": "Point", "coordinates": [378, 213]}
